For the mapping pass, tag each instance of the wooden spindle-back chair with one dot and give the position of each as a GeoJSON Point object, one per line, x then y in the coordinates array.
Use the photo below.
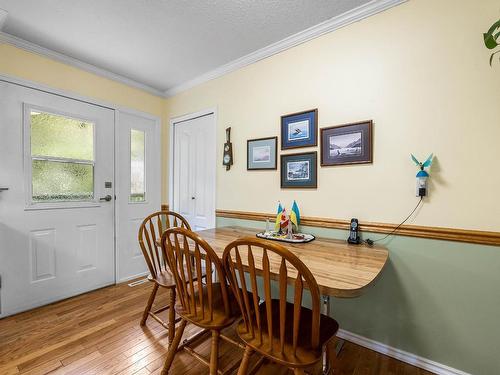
{"type": "Point", "coordinates": [150, 232]}
{"type": "Point", "coordinates": [210, 305]}
{"type": "Point", "coordinates": [283, 332]}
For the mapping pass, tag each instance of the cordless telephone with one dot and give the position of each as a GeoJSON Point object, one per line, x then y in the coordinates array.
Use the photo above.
{"type": "Point", "coordinates": [353, 232]}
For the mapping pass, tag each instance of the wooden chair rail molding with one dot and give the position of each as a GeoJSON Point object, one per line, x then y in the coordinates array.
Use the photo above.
{"type": "Point", "coordinates": [436, 233]}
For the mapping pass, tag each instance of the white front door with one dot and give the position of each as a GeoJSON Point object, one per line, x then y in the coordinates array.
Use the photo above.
{"type": "Point", "coordinates": [194, 171]}
{"type": "Point", "coordinates": [57, 216]}
{"type": "Point", "coordinates": [139, 187]}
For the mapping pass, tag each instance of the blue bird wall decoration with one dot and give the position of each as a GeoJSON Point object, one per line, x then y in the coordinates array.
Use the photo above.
{"type": "Point", "coordinates": [422, 175]}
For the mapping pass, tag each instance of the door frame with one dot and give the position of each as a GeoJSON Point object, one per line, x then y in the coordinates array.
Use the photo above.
{"type": "Point", "coordinates": [176, 120]}
{"type": "Point", "coordinates": [104, 104]}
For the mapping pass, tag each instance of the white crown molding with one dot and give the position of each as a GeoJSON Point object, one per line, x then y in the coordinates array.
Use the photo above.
{"type": "Point", "coordinates": [351, 16]}
{"type": "Point", "coordinates": [412, 359]}
{"type": "Point", "coordinates": [3, 17]}
{"type": "Point", "coordinates": [32, 47]}
{"type": "Point", "coordinates": [76, 96]}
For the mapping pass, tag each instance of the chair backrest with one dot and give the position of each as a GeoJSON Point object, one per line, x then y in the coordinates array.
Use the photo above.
{"type": "Point", "coordinates": [271, 261]}
{"type": "Point", "coordinates": [151, 230]}
{"type": "Point", "coordinates": [187, 254]}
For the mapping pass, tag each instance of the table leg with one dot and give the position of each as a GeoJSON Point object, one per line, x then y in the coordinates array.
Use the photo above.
{"type": "Point", "coordinates": [340, 342]}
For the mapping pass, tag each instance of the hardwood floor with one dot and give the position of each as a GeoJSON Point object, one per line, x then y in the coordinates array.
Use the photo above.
{"type": "Point", "coordinates": [99, 333]}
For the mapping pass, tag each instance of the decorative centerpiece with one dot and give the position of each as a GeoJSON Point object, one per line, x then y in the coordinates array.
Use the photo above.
{"type": "Point", "coordinates": [284, 227]}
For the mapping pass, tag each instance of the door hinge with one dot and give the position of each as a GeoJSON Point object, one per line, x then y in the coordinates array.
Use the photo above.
{"type": "Point", "coordinates": [0, 281]}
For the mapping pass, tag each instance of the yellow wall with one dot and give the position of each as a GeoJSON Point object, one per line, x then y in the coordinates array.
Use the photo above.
{"type": "Point", "coordinates": [420, 71]}
{"type": "Point", "coordinates": [33, 67]}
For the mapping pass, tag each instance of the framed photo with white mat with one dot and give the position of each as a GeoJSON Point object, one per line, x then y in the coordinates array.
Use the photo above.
{"type": "Point", "coordinates": [262, 153]}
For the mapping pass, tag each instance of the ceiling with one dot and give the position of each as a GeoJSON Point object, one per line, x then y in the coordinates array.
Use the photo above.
{"type": "Point", "coordinates": [163, 43]}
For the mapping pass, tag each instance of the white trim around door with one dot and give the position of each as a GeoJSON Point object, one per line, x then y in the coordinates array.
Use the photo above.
{"type": "Point", "coordinates": [171, 152]}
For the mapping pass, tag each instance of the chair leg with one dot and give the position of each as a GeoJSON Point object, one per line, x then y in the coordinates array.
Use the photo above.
{"type": "Point", "coordinates": [171, 317]}
{"type": "Point", "coordinates": [151, 299]}
{"type": "Point", "coordinates": [332, 355]}
{"type": "Point", "coordinates": [214, 353]}
{"type": "Point", "coordinates": [244, 362]}
{"type": "Point", "coordinates": [317, 369]}
{"type": "Point", "coordinates": [173, 347]}
{"type": "Point", "coordinates": [299, 371]}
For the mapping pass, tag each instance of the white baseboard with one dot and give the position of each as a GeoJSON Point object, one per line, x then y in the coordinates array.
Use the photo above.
{"type": "Point", "coordinates": [412, 359]}
{"type": "Point", "coordinates": [128, 278]}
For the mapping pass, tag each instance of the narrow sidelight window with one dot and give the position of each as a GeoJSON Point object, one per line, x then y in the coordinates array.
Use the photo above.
{"type": "Point", "coordinates": [137, 166]}
{"type": "Point", "coordinates": [62, 158]}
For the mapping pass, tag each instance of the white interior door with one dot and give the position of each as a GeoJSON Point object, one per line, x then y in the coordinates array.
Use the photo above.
{"type": "Point", "coordinates": [194, 171]}
{"type": "Point", "coordinates": [57, 162]}
{"type": "Point", "coordinates": [139, 187]}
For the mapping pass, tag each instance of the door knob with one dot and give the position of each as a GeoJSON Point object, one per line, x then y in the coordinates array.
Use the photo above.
{"type": "Point", "coordinates": [107, 198]}
{"type": "Point", "coordinates": [4, 188]}
{"type": "Point", "coordinates": [193, 198]}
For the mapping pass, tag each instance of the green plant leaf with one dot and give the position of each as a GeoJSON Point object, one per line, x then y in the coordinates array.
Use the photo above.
{"type": "Point", "coordinates": [489, 41]}
{"type": "Point", "coordinates": [490, 38]}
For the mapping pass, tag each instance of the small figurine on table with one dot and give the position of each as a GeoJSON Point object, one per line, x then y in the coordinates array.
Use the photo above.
{"type": "Point", "coordinates": [284, 226]}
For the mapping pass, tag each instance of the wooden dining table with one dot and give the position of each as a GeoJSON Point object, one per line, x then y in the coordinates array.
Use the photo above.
{"type": "Point", "coordinates": [340, 269]}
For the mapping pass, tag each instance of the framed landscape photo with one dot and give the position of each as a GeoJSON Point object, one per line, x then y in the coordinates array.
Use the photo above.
{"type": "Point", "coordinates": [299, 129]}
{"type": "Point", "coordinates": [261, 153]}
{"type": "Point", "coordinates": [299, 170]}
{"type": "Point", "coordinates": [347, 144]}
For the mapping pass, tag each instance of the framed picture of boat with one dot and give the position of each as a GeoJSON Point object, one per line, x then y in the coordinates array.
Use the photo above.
{"type": "Point", "coordinates": [299, 129]}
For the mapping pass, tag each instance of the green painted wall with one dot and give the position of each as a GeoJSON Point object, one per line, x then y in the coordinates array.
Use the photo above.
{"type": "Point", "coordinates": [437, 299]}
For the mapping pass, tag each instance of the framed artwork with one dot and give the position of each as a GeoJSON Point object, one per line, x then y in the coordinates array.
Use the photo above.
{"type": "Point", "coordinates": [347, 144]}
{"type": "Point", "coordinates": [299, 170]}
{"type": "Point", "coordinates": [261, 153]}
{"type": "Point", "coordinates": [299, 129]}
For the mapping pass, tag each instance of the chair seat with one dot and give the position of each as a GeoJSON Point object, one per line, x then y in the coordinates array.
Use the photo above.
{"type": "Point", "coordinates": [305, 354]}
{"type": "Point", "coordinates": [219, 317]}
{"type": "Point", "coordinates": [167, 280]}
{"type": "Point", "coordinates": [164, 279]}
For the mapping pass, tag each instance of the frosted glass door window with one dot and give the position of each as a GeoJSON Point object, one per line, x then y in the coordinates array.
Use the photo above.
{"type": "Point", "coordinates": [62, 158]}
{"type": "Point", "coordinates": [137, 166]}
